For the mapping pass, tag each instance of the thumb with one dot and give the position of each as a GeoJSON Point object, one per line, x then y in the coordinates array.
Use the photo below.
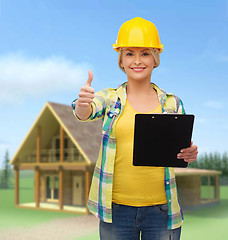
{"type": "Point", "coordinates": [90, 78]}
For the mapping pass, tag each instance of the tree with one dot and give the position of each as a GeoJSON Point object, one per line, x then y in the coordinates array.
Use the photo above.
{"type": "Point", "coordinates": [212, 161]}
{"type": "Point", "coordinates": [6, 172]}
{"type": "Point", "coordinates": [217, 162]}
{"type": "Point", "coordinates": [225, 164]}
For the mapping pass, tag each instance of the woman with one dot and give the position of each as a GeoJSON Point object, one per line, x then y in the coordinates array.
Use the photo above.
{"type": "Point", "coordinates": [132, 201]}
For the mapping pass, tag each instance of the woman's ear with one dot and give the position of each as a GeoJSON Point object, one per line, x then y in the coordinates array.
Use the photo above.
{"type": "Point", "coordinates": [121, 64]}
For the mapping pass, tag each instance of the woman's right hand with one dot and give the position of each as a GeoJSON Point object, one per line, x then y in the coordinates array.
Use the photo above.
{"type": "Point", "coordinates": [86, 95]}
{"type": "Point", "coordinates": [83, 107]}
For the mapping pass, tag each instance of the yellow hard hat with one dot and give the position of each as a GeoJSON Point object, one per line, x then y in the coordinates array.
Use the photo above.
{"type": "Point", "coordinates": [138, 32]}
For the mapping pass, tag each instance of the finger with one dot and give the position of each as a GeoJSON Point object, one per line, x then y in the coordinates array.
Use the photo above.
{"type": "Point", "coordinates": [86, 95]}
{"type": "Point", "coordinates": [90, 78]}
{"type": "Point", "coordinates": [85, 100]}
{"type": "Point", "coordinates": [187, 155]}
{"type": "Point", "coordinates": [188, 158]}
{"type": "Point", "coordinates": [83, 104]}
{"type": "Point", "coordinates": [87, 89]}
{"type": "Point", "coordinates": [189, 149]}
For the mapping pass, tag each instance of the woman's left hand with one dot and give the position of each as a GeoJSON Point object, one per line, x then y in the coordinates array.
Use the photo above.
{"type": "Point", "coordinates": [188, 154]}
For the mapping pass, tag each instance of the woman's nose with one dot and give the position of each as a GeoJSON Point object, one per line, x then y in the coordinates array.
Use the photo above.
{"type": "Point", "coordinates": [137, 59]}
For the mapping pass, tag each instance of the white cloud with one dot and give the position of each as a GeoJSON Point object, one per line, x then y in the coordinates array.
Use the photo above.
{"type": "Point", "coordinates": [22, 77]}
{"type": "Point", "coordinates": [214, 104]}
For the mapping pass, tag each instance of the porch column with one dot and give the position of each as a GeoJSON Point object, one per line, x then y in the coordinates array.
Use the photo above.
{"type": "Point", "coordinates": [86, 188]}
{"type": "Point", "coordinates": [37, 186]}
{"type": "Point", "coordinates": [208, 186]}
{"type": "Point", "coordinates": [61, 144]}
{"type": "Point", "coordinates": [217, 185]}
{"type": "Point", "coordinates": [37, 170]}
{"type": "Point", "coordinates": [16, 169]}
{"type": "Point", "coordinates": [61, 169]}
{"type": "Point", "coordinates": [38, 140]}
{"type": "Point", "coordinates": [61, 188]}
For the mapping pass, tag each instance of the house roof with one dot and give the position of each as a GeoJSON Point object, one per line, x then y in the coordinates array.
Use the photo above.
{"type": "Point", "coordinates": [85, 135]}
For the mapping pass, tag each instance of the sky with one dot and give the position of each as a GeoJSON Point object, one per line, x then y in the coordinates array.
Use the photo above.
{"type": "Point", "coordinates": [48, 46]}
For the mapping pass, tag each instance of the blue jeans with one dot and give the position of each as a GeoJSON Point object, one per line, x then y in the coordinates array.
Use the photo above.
{"type": "Point", "coordinates": [129, 222]}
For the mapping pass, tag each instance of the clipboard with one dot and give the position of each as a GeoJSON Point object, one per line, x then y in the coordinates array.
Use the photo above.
{"type": "Point", "coordinates": [158, 138]}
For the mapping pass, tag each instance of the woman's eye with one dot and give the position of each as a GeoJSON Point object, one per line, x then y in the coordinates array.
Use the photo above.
{"type": "Point", "coordinates": [129, 54]}
{"type": "Point", "coordinates": [145, 54]}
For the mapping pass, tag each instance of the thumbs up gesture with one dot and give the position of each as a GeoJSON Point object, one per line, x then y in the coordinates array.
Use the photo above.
{"type": "Point", "coordinates": [86, 94]}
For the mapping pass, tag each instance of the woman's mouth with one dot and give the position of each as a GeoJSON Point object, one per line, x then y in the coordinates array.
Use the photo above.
{"type": "Point", "coordinates": [138, 69]}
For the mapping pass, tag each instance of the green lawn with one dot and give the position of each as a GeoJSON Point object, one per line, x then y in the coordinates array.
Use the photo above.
{"type": "Point", "coordinates": [11, 216]}
{"type": "Point", "coordinates": [207, 223]}
{"type": "Point", "coordinates": [210, 223]}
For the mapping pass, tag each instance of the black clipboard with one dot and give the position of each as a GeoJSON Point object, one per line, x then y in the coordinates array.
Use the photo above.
{"type": "Point", "coordinates": [158, 138]}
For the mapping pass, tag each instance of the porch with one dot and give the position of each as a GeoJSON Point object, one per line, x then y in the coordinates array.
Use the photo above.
{"type": "Point", "coordinates": [54, 207]}
{"type": "Point", "coordinates": [57, 190]}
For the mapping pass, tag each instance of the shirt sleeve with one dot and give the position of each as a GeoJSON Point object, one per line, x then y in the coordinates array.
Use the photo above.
{"type": "Point", "coordinates": [181, 109]}
{"type": "Point", "coordinates": [98, 106]}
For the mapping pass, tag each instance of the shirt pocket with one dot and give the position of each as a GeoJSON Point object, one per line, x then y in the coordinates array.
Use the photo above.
{"type": "Point", "coordinates": [164, 208]}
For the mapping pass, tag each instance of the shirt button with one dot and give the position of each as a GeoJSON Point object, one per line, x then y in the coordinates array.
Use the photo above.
{"type": "Point", "coordinates": [169, 200]}
{"type": "Point", "coordinates": [167, 183]}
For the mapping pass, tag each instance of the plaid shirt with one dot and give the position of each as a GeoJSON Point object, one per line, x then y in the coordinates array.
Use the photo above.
{"type": "Point", "coordinates": [108, 104]}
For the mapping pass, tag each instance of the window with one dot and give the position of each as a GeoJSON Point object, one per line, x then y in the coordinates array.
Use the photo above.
{"type": "Point", "coordinates": [52, 188]}
{"type": "Point", "coordinates": [57, 148]}
{"type": "Point", "coordinates": [208, 188]}
{"type": "Point", "coordinates": [65, 149]}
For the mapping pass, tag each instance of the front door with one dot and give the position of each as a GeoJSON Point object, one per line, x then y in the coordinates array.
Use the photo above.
{"type": "Point", "coordinates": [52, 188]}
{"type": "Point", "coordinates": [77, 190]}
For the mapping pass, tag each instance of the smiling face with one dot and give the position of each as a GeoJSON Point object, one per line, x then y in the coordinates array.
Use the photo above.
{"type": "Point", "coordinates": [138, 63]}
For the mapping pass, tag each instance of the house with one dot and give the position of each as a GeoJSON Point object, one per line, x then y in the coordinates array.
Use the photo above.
{"type": "Point", "coordinates": [197, 187]}
{"type": "Point", "coordinates": [62, 152]}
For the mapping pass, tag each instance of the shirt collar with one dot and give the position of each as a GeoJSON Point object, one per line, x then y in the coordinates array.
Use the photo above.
{"type": "Point", "coordinates": [122, 94]}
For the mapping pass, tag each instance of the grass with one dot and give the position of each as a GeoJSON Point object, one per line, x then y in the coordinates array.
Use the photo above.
{"type": "Point", "coordinates": [208, 223]}
{"type": "Point", "coordinates": [11, 216]}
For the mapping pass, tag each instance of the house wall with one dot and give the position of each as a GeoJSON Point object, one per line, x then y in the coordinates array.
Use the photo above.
{"type": "Point", "coordinates": [189, 190]}
{"type": "Point", "coordinates": [67, 185]}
